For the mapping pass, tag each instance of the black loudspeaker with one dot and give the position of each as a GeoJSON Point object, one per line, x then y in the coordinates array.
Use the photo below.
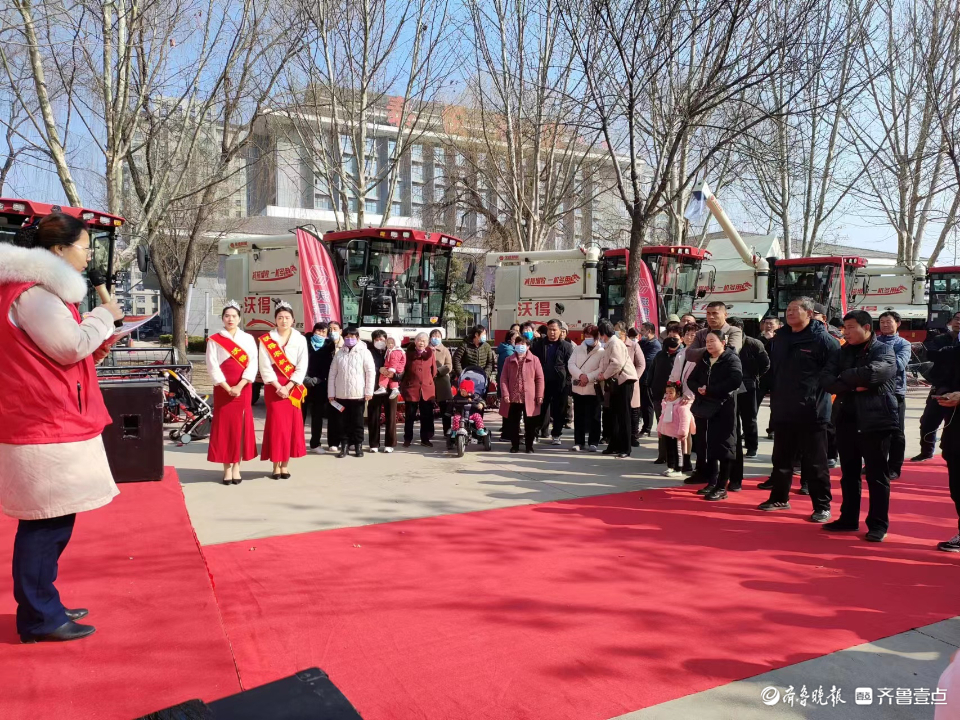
{"type": "Point", "coordinates": [134, 440]}
{"type": "Point", "coordinates": [308, 695]}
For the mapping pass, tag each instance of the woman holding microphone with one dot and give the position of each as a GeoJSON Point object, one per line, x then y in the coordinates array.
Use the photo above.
{"type": "Point", "coordinates": [283, 365]}
{"type": "Point", "coordinates": [232, 365]}
{"type": "Point", "coordinates": [52, 461]}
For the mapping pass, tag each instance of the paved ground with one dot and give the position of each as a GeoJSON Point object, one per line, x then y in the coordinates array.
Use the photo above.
{"type": "Point", "coordinates": [326, 492]}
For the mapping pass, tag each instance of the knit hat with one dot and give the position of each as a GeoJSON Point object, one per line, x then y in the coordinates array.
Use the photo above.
{"type": "Point", "coordinates": [467, 385]}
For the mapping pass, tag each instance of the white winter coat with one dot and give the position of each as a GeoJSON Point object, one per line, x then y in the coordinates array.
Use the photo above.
{"type": "Point", "coordinates": [296, 351]}
{"type": "Point", "coordinates": [352, 373]}
{"type": "Point", "coordinates": [583, 363]}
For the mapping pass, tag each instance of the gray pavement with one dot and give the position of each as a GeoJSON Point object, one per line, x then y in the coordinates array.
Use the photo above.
{"type": "Point", "coordinates": [326, 492]}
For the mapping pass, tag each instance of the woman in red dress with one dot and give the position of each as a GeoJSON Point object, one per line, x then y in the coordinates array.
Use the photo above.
{"type": "Point", "coordinates": [232, 364]}
{"type": "Point", "coordinates": [283, 365]}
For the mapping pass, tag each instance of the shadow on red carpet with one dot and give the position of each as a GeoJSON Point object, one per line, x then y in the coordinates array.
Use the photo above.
{"type": "Point", "coordinates": [136, 565]}
{"type": "Point", "coordinates": [579, 609]}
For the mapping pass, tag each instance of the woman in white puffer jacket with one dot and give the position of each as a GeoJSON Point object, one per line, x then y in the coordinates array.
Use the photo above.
{"type": "Point", "coordinates": [584, 367]}
{"type": "Point", "coordinates": [350, 384]}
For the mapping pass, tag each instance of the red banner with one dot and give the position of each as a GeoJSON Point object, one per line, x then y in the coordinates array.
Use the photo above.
{"type": "Point", "coordinates": [647, 308]}
{"type": "Point", "coordinates": [321, 290]}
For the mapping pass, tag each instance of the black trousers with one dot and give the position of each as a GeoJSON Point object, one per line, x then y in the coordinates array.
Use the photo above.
{"type": "Point", "coordinates": [747, 414]}
{"type": "Point", "coordinates": [898, 443]}
{"type": "Point", "coordinates": [856, 451]}
{"type": "Point", "coordinates": [554, 410]}
{"type": "Point", "coordinates": [646, 407]}
{"type": "Point", "coordinates": [930, 422]}
{"type": "Point", "coordinates": [445, 416]}
{"type": "Point", "coordinates": [620, 399]}
{"type": "Point", "coordinates": [672, 451]}
{"type": "Point", "coordinates": [511, 426]}
{"type": "Point", "coordinates": [389, 408]}
{"type": "Point", "coordinates": [350, 422]}
{"type": "Point", "coordinates": [427, 427]}
{"type": "Point", "coordinates": [36, 552]}
{"type": "Point", "coordinates": [810, 443]}
{"type": "Point", "coordinates": [586, 420]}
{"type": "Point", "coordinates": [317, 407]}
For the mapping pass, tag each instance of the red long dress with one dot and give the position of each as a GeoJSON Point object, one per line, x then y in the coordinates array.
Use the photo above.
{"type": "Point", "coordinates": [232, 437]}
{"type": "Point", "coordinates": [283, 435]}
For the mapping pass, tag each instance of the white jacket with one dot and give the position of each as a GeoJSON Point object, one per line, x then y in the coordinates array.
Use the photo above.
{"type": "Point", "coordinates": [296, 351]}
{"type": "Point", "coordinates": [583, 363]}
{"type": "Point", "coordinates": [681, 371]}
{"type": "Point", "coordinates": [352, 373]}
{"type": "Point", "coordinates": [216, 355]}
{"type": "Point", "coordinates": [617, 361]}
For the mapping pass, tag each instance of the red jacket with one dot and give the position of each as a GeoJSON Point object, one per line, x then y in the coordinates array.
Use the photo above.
{"type": "Point", "coordinates": [417, 383]}
{"type": "Point", "coordinates": [44, 402]}
{"type": "Point", "coordinates": [531, 371]}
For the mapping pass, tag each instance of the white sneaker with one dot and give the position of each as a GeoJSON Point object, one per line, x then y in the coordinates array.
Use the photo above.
{"type": "Point", "coordinates": [333, 448]}
{"type": "Point", "coordinates": [592, 448]}
{"type": "Point", "coordinates": [575, 448]}
{"type": "Point", "coordinates": [674, 474]}
{"type": "Point", "coordinates": [388, 449]}
{"type": "Point", "coordinates": [373, 449]}
{"type": "Point", "coordinates": [394, 393]}
{"type": "Point", "coordinates": [380, 391]}
{"type": "Point", "coordinates": [319, 450]}
{"type": "Point", "coordinates": [555, 441]}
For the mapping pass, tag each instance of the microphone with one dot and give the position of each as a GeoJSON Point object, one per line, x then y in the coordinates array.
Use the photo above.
{"type": "Point", "coordinates": [99, 283]}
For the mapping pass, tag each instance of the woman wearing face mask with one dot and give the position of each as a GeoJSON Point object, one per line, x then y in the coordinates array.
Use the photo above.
{"type": "Point", "coordinates": [419, 390]}
{"type": "Point", "coordinates": [474, 351]}
{"type": "Point", "coordinates": [505, 350]}
{"type": "Point", "coordinates": [232, 366]}
{"type": "Point", "coordinates": [353, 376]}
{"type": "Point", "coordinates": [388, 362]}
{"type": "Point", "coordinates": [320, 350]}
{"type": "Point", "coordinates": [52, 461]}
{"type": "Point", "coordinates": [584, 367]}
{"type": "Point", "coordinates": [442, 380]}
{"type": "Point", "coordinates": [335, 339]}
{"type": "Point", "coordinates": [283, 366]}
{"type": "Point", "coordinates": [522, 395]}
{"type": "Point", "coordinates": [527, 331]}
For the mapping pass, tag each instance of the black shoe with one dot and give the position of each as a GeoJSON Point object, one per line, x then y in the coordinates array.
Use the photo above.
{"type": "Point", "coordinates": [515, 449]}
{"type": "Point", "coordinates": [644, 432]}
{"type": "Point", "coordinates": [76, 614]}
{"type": "Point", "coordinates": [921, 457]}
{"type": "Point", "coordinates": [634, 443]}
{"type": "Point", "coordinates": [406, 443]}
{"type": "Point", "coordinates": [687, 465]}
{"type": "Point", "coordinates": [895, 475]}
{"type": "Point", "coordinates": [735, 487]}
{"type": "Point", "coordinates": [529, 450]}
{"type": "Point", "coordinates": [770, 506]}
{"type": "Point", "coordinates": [284, 476]}
{"type": "Point", "coordinates": [609, 451]}
{"type": "Point", "coordinates": [804, 490]}
{"type": "Point", "coordinates": [831, 463]}
{"type": "Point", "coordinates": [661, 460]}
{"type": "Point", "coordinates": [951, 545]}
{"type": "Point", "coordinates": [277, 476]}
{"type": "Point", "coordinates": [694, 479]}
{"type": "Point", "coordinates": [426, 443]}
{"type": "Point", "coordinates": [716, 494]}
{"type": "Point", "coordinates": [343, 450]}
{"type": "Point", "coordinates": [68, 631]}
{"type": "Point", "coordinates": [875, 536]}
{"type": "Point", "coordinates": [820, 516]}
{"type": "Point", "coordinates": [841, 526]}
{"type": "Point", "coordinates": [769, 434]}
{"type": "Point", "coordinates": [359, 451]}
{"type": "Point", "coordinates": [751, 453]}
{"type": "Point", "coordinates": [706, 489]}
{"type": "Point", "coordinates": [765, 485]}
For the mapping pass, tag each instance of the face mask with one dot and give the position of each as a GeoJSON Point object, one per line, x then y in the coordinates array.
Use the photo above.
{"type": "Point", "coordinates": [434, 341]}
{"type": "Point", "coordinates": [380, 344]}
{"type": "Point", "coordinates": [520, 349]}
{"type": "Point", "coordinates": [588, 341]}
{"type": "Point", "coordinates": [350, 342]}
{"type": "Point", "coordinates": [334, 336]}
{"type": "Point", "coordinates": [602, 344]}
{"type": "Point", "coordinates": [317, 341]}
{"type": "Point", "coordinates": [528, 334]}
{"type": "Point", "coordinates": [483, 338]}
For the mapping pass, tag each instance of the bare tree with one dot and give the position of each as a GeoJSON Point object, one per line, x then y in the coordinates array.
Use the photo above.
{"type": "Point", "coordinates": [360, 94]}
{"type": "Point", "coordinates": [18, 146]}
{"type": "Point", "coordinates": [673, 82]}
{"type": "Point", "coordinates": [896, 132]}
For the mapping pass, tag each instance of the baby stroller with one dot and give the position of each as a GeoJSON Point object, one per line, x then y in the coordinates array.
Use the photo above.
{"type": "Point", "coordinates": [468, 432]}
{"type": "Point", "coordinates": [185, 405]}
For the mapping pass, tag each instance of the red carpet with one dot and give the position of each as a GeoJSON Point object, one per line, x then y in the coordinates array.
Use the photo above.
{"type": "Point", "coordinates": [579, 609]}
{"type": "Point", "coordinates": [136, 565]}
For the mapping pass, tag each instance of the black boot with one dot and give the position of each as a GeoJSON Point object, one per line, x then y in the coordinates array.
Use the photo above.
{"type": "Point", "coordinates": [358, 451]}
{"type": "Point", "coordinates": [343, 451]}
{"type": "Point", "coordinates": [661, 451]}
{"type": "Point", "coordinates": [687, 465]}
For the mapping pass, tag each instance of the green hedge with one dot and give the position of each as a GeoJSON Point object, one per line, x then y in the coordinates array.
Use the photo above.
{"type": "Point", "coordinates": [195, 343]}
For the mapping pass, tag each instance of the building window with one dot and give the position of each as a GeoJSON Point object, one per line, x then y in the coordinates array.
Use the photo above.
{"type": "Point", "coordinates": [416, 171]}
{"type": "Point", "coordinates": [372, 206]}
{"type": "Point", "coordinates": [416, 194]}
{"type": "Point", "coordinates": [416, 153]}
{"type": "Point", "coordinates": [236, 203]}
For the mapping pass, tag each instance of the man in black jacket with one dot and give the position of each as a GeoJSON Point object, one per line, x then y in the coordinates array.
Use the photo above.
{"type": "Point", "coordinates": [768, 328]}
{"type": "Point", "coordinates": [554, 354]}
{"type": "Point", "coordinates": [649, 346]}
{"type": "Point", "coordinates": [755, 363]}
{"type": "Point", "coordinates": [938, 375]}
{"type": "Point", "coordinates": [864, 379]}
{"type": "Point", "coordinates": [800, 415]}
{"type": "Point", "coordinates": [320, 351]}
{"type": "Point", "coordinates": [949, 402]}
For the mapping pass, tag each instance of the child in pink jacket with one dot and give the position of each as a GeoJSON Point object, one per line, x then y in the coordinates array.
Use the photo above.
{"type": "Point", "coordinates": [676, 424]}
{"type": "Point", "coordinates": [396, 360]}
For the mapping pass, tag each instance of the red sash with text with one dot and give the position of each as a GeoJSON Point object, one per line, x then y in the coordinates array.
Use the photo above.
{"type": "Point", "coordinates": [234, 350]}
{"type": "Point", "coordinates": [284, 369]}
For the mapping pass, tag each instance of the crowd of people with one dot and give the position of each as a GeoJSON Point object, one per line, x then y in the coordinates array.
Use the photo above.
{"type": "Point", "coordinates": [837, 397]}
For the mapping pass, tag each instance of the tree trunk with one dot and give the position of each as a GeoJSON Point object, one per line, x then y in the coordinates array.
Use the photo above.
{"type": "Point", "coordinates": [179, 312]}
{"type": "Point", "coordinates": [638, 231]}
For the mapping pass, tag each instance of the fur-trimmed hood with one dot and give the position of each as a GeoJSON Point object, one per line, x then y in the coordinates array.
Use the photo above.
{"type": "Point", "coordinates": [37, 265]}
